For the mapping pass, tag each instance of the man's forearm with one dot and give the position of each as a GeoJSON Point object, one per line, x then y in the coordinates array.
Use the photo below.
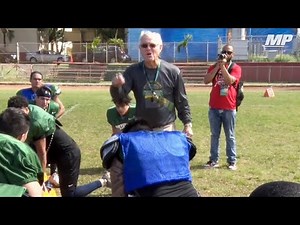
{"type": "Point", "coordinates": [40, 146]}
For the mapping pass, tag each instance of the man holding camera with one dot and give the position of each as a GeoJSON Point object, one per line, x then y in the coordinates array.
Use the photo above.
{"type": "Point", "coordinates": [224, 76]}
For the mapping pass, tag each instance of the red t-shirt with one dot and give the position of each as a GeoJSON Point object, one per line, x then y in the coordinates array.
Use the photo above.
{"type": "Point", "coordinates": [226, 98]}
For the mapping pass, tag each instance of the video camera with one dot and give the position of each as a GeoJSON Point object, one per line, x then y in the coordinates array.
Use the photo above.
{"type": "Point", "coordinates": [221, 56]}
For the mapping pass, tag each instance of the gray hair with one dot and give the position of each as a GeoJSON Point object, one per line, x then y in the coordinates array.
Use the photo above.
{"type": "Point", "coordinates": [153, 35]}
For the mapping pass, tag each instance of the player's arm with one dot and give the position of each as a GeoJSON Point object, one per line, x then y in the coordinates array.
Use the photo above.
{"type": "Point", "coordinates": [61, 106]}
{"type": "Point", "coordinates": [40, 147]}
{"type": "Point", "coordinates": [34, 189]}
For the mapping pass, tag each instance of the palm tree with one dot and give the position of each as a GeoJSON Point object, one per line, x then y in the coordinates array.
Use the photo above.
{"type": "Point", "coordinates": [184, 44]}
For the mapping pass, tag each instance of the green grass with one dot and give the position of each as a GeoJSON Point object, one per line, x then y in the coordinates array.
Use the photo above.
{"type": "Point", "coordinates": [267, 132]}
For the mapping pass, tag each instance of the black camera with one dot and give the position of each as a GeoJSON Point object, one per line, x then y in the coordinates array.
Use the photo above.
{"type": "Point", "coordinates": [221, 56]}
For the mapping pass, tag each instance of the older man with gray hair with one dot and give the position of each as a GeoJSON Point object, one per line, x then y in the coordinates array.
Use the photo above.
{"type": "Point", "coordinates": [158, 88]}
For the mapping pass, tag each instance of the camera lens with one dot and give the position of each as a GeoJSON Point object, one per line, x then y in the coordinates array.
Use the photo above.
{"type": "Point", "coordinates": [221, 56]}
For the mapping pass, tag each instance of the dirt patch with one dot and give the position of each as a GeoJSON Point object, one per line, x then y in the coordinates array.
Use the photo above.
{"type": "Point", "coordinates": [188, 87]}
{"type": "Point", "coordinates": [67, 87]}
{"type": "Point", "coordinates": [247, 88]}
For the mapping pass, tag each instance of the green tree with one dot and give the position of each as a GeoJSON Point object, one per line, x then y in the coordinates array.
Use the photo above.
{"type": "Point", "coordinates": [52, 36]}
{"type": "Point", "coordinates": [56, 35]}
{"type": "Point", "coordinates": [108, 33]}
{"type": "Point", "coordinates": [116, 41]}
{"type": "Point", "coordinates": [184, 44]}
{"type": "Point", "coordinates": [94, 45]}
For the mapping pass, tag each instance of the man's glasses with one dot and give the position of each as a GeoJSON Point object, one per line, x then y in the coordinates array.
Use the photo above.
{"type": "Point", "coordinates": [226, 52]}
{"type": "Point", "coordinates": [146, 45]}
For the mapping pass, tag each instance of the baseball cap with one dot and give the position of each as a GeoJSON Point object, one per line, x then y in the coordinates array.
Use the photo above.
{"type": "Point", "coordinates": [44, 91]}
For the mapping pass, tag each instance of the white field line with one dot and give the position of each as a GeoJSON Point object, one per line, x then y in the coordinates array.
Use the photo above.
{"type": "Point", "coordinates": [70, 110]}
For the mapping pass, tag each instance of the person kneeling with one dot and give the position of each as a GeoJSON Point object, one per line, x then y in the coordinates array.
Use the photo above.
{"type": "Point", "coordinates": [146, 163]}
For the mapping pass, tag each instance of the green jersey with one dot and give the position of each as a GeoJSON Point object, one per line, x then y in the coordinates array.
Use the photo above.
{"type": "Point", "coordinates": [19, 164]}
{"type": "Point", "coordinates": [53, 108]}
{"type": "Point", "coordinates": [119, 122]}
{"type": "Point", "coordinates": [42, 123]}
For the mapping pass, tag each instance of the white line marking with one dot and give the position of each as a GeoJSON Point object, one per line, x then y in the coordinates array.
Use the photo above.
{"type": "Point", "coordinates": [70, 110]}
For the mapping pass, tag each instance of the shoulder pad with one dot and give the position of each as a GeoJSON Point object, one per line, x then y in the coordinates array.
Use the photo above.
{"type": "Point", "coordinates": [54, 89]}
{"type": "Point", "coordinates": [108, 150]}
{"type": "Point", "coordinates": [193, 148]}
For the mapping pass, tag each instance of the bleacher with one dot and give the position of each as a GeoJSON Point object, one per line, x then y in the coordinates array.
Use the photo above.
{"type": "Point", "coordinates": [193, 72]}
{"type": "Point", "coordinates": [97, 72]}
{"type": "Point", "coordinates": [79, 72]}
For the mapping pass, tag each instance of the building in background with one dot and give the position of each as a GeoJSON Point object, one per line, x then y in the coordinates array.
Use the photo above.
{"type": "Point", "coordinates": [272, 41]}
{"type": "Point", "coordinates": [207, 42]}
{"type": "Point", "coordinates": [204, 46]}
{"type": "Point", "coordinates": [27, 36]}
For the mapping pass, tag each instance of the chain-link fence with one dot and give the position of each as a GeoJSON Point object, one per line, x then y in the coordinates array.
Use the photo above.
{"type": "Point", "coordinates": [103, 72]}
{"type": "Point", "coordinates": [266, 46]}
{"type": "Point", "coordinates": [21, 72]}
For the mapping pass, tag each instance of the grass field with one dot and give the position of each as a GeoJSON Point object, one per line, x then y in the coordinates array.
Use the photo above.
{"type": "Point", "coordinates": [268, 143]}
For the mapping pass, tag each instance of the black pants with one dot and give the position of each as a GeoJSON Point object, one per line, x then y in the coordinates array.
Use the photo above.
{"type": "Point", "coordinates": [65, 153]}
{"type": "Point", "coordinates": [169, 189]}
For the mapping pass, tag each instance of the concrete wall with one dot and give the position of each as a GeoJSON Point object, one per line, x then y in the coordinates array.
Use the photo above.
{"type": "Point", "coordinates": [28, 37]}
{"type": "Point", "coordinates": [271, 72]}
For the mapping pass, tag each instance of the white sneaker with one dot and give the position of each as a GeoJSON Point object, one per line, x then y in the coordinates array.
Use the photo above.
{"type": "Point", "coordinates": [232, 166]}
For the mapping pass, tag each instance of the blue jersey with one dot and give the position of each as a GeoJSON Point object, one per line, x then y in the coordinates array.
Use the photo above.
{"type": "Point", "coordinates": [152, 157]}
{"type": "Point", "coordinates": [30, 95]}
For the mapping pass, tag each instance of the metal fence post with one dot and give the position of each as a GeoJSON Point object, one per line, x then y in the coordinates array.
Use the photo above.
{"type": "Point", "coordinates": [86, 51]}
{"type": "Point", "coordinates": [207, 51]}
{"type": "Point", "coordinates": [269, 75]}
{"type": "Point", "coordinates": [18, 53]}
{"type": "Point", "coordinates": [174, 51]}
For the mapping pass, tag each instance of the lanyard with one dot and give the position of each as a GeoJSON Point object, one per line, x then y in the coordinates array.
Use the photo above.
{"type": "Point", "coordinates": [155, 78]}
